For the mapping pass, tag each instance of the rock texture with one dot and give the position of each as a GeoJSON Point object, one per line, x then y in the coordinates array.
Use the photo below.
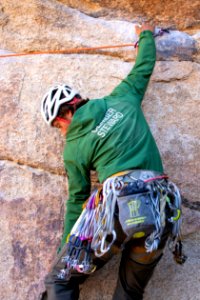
{"type": "Point", "coordinates": [182, 14]}
{"type": "Point", "coordinates": [33, 184]}
{"type": "Point", "coordinates": [25, 27]}
{"type": "Point", "coordinates": [32, 206]}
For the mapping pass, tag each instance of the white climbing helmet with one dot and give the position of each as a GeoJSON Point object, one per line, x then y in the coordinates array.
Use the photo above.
{"type": "Point", "coordinates": [53, 99]}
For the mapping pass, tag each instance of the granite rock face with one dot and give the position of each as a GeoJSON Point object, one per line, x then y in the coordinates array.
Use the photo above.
{"type": "Point", "coordinates": [48, 25]}
{"type": "Point", "coordinates": [32, 207]}
{"type": "Point", "coordinates": [33, 184]}
{"type": "Point", "coordinates": [179, 14]}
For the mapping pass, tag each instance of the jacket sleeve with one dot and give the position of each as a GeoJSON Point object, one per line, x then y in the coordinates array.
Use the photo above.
{"type": "Point", "coordinates": [137, 80]}
{"type": "Point", "coordinates": [79, 191]}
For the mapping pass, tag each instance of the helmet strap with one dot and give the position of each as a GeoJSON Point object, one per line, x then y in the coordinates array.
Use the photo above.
{"type": "Point", "coordinates": [63, 120]}
{"type": "Point", "coordinates": [73, 104]}
{"type": "Point", "coordinates": [74, 100]}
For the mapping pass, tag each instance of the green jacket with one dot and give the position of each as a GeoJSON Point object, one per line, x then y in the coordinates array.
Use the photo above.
{"type": "Point", "coordinates": [111, 134]}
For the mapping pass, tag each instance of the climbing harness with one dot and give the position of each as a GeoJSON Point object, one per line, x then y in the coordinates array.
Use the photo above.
{"type": "Point", "coordinates": [143, 201]}
{"type": "Point", "coordinates": [158, 32]}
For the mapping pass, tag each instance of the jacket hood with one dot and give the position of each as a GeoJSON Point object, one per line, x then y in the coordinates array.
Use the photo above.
{"type": "Point", "coordinates": [86, 118]}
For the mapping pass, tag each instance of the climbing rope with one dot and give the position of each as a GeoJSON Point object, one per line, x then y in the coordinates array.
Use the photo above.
{"type": "Point", "coordinates": [81, 50]}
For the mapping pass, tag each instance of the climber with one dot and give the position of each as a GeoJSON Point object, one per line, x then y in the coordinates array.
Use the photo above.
{"type": "Point", "coordinates": [109, 135]}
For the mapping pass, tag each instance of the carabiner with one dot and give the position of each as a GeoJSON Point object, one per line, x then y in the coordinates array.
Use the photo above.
{"type": "Point", "coordinates": [105, 248]}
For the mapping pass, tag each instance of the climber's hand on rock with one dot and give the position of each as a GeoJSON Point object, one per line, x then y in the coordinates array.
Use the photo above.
{"type": "Point", "coordinates": [144, 26]}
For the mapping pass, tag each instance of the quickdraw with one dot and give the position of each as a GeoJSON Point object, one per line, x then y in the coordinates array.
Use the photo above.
{"type": "Point", "coordinates": [78, 258]}
{"type": "Point", "coordinates": [90, 232]}
{"type": "Point", "coordinates": [163, 194]}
